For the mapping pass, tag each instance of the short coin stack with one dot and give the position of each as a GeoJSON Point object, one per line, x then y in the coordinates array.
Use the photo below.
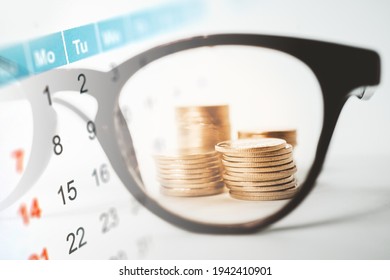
{"type": "Point", "coordinates": [290, 135]}
{"type": "Point", "coordinates": [201, 127]}
{"type": "Point", "coordinates": [258, 169]}
{"type": "Point", "coordinates": [190, 174]}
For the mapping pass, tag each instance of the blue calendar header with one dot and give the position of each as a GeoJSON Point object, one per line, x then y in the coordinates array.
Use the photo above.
{"type": "Point", "coordinates": [54, 50]}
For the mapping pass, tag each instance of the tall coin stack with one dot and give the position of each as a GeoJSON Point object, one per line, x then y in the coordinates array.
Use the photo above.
{"type": "Point", "coordinates": [190, 174]}
{"type": "Point", "coordinates": [290, 135]}
{"type": "Point", "coordinates": [196, 169]}
{"type": "Point", "coordinates": [258, 168]}
{"type": "Point", "coordinates": [201, 127]}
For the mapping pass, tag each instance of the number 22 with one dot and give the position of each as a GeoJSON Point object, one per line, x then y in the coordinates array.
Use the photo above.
{"type": "Point", "coordinates": [72, 236]}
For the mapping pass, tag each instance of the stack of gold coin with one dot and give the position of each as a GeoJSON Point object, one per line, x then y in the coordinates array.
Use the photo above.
{"type": "Point", "coordinates": [290, 135]}
{"type": "Point", "coordinates": [197, 174]}
{"type": "Point", "coordinates": [258, 168]}
{"type": "Point", "coordinates": [201, 127]}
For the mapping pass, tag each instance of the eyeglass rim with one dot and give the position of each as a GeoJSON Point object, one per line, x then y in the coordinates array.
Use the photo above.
{"type": "Point", "coordinates": [334, 94]}
{"type": "Point", "coordinates": [362, 64]}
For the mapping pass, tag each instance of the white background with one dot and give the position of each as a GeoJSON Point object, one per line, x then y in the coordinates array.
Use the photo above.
{"type": "Point", "coordinates": [347, 216]}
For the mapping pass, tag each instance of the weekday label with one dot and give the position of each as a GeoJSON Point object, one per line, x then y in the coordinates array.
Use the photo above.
{"type": "Point", "coordinates": [112, 33]}
{"type": "Point", "coordinates": [81, 42]}
{"type": "Point", "coordinates": [47, 52]}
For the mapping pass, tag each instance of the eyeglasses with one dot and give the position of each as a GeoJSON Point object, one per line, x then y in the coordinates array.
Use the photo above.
{"type": "Point", "coordinates": [161, 113]}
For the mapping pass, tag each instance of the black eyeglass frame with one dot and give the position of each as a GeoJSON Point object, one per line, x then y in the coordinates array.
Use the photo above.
{"type": "Point", "coordinates": [342, 71]}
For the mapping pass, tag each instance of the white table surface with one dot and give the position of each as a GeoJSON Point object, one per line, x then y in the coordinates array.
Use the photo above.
{"type": "Point", "coordinates": [347, 216]}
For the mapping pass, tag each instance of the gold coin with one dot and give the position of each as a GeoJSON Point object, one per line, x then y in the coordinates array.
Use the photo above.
{"type": "Point", "coordinates": [263, 175]}
{"type": "Point", "coordinates": [180, 170]}
{"type": "Point", "coordinates": [261, 196]}
{"type": "Point", "coordinates": [203, 114]}
{"type": "Point", "coordinates": [180, 181]}
{"type": "Point", "coordinates": [237, 176]}
{"type": "Point", "coordinates": [206, 108]}
{"type": "Point", "coordinates": [291, 190]}
{"type": "Point", "coordinates": [186, 156]}
{"type": "Point", "coordinates": [184, 166]}
{"type": "Point", "coordinates": [196, 173]}
{"type": "Point", "coordinates": [259, 159]}
{"type": "Point", "coordinates": [202, 127]}
{"type": "Point", "coordinates": [256, 164]}
{"type": "Point", "coordinates": [252, 170]}
{"type": "Point", "coordinates": [203, 110]}
{"type": "Point", "coordinates": [205, 134]}
{"type": "Point", "coordinates": [215, 184]}
{"type": "Point", "coordinates": [250, 133]}
{"type": "Point", "coordinates": [189, 176]}
{"type": "Point", "coordinates": [250, 145]}
{"type": "Point", "coordinates": [280, 187]}
{"type": "Point", "coordinates": [275, 135]}
{"type": "Point", "coordinates": [188, 162]}
{"type": "Point", "coordinates": [184, 192]}
{"type": "Point", "coordinates": [240, 183]}
{"type": "Point", "coordinates": [286, 150]}
{"type": "Point", "coordinates": [199, 147]}
{"type": "Point", "coordinates": [290, 135]}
